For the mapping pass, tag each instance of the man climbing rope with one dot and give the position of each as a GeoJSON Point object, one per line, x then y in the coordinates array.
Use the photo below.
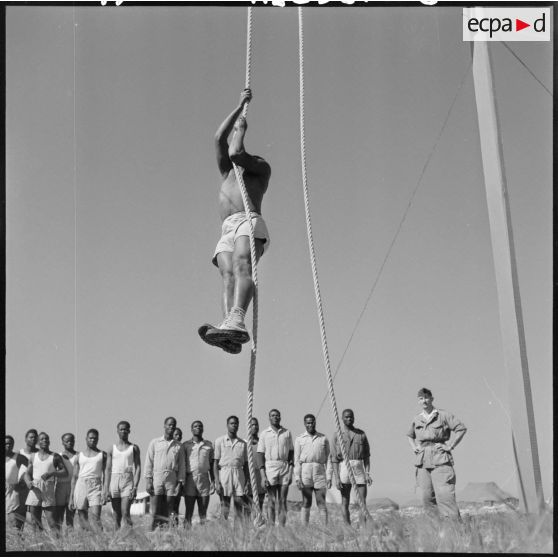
{"type": "Point", "coordinates": [232, 254]}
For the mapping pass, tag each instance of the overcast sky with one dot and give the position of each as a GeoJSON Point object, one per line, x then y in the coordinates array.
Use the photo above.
{"type": "Point", "coordinates": [112, 220]}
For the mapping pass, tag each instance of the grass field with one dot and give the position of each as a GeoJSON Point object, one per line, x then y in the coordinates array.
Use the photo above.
{"type": "Point", "coordinates": [488, 534]}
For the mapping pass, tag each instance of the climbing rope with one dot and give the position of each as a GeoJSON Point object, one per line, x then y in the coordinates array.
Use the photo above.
{"type": "Point", "coordinates": [315, 270]}
{"type": "Point", "coordinates": [246, 201]}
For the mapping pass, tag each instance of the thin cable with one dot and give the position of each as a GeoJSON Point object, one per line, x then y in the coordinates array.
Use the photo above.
{"type": "Point", "coordinates": [321, 319]}
{"type": "Point", "coordinates": [75, 229]}
{"type": "Point", "coordinates": [528, 69]}
{"type": "Point", "coordinates": [400, 226]}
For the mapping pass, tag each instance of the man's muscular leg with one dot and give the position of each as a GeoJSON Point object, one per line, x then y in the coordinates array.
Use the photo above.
{"type": "Point", "coordinates": [225, 264]}
{"type": "Point", "coordinates": [233, 327]}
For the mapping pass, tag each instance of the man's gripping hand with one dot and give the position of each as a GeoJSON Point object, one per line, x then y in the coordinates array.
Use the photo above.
{"type": "Point", "coordinates": [245, 96]}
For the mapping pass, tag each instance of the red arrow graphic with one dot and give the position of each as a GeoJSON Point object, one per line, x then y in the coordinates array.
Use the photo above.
{"type": "Point", "coordinates": [519, 25]}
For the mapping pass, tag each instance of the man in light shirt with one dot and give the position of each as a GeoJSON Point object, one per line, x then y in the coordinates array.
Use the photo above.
{"type": "Point", "coordinates": [165, 472]}
{"type": "Point", "coordinates": [230, 465]}
{"type": "Point", "coordinates": [311, 472]}
{"type": "Point", "coordinates": [254, 440]}
{"type": "Point", "coordinates": [275, 451]}
{"type": "Point", "coordinates": [64, 485]}
{"type": "Point", "coordinates": [429, 437]}
{"type": "Point", "coordinates": [200, 477]}
{"type": "Point", "coordinates": [16, 464]}
{"type": "Point", "coordinates": [358, 453]}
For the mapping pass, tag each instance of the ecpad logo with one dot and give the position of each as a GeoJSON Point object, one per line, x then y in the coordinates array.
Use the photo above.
{"type": "Point", "coordinates": [506, 24]}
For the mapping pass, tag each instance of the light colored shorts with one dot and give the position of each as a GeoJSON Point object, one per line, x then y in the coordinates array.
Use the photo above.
{"type": "Point", "coordinates": [313, 475]}
{"type": "Point", "coordinates": [87, 492]}
{"type": "Point", "coordinates": [41, 495]}
{"type": "Point", "coordinates": [358, 472]}
{"type": "Point", "coordinates": [236, 225]}
{"type": "Point", "coordinates": [62, 493]}
{"type": "Point", "coordinates": [12, 498]}
{"type": "Point", "coordinates": [165, 483]}
{"type": "Point", "coordinates": [232, 480]}
{"type": "Point", "coordinates": [277, 472]}
{"type": "Point", "coordinates": [197, 484]}
{"type": "Point", "coordinates": [121, 484]}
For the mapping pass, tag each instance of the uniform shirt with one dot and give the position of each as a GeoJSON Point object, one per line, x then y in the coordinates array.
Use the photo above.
{"type": "Point", "coordinates": [165, 455]}
{"type": "Point", "coordinates": [199, 456]}
{"type": "Point", "coordinates": [356, 444]}
{"type": "Point", "coordinates": [275, 445]}
{"type": "Point", "coordinates": [231, 453]}
{"type": "Point", "coordinates": [431, 429]}
{"type": "Point", "coordinates": [311, 448]}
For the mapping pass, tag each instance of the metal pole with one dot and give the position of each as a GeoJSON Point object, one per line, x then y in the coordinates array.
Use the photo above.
{"type": "Point", "coordinates": [524, 438]}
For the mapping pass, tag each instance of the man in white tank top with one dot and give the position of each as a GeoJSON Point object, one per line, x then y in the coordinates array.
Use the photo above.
{"type": "Point", "coordinates": [44, 467]}
{"type": "Point", "coordinates": [15, 463]}
{"type": "Point", "coordinates": [87, 483]}
{"type": "Point", "coordinates": [31, 437]}
{"type": "Point", "coordinates": [64, 485]}
{"type": "Point", "coordinates": [123, 474]}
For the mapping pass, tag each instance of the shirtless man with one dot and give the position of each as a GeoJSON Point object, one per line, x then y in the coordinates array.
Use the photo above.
{"type": "Point", "coordinates": [87, 483]}
{"type": "Point", "coordinates": [123, 474]}
{"type": "Point", "coordinates": [14, 463]}
{"type": "Point", "coordinates": [44, 467]}
{"type": "Point", "coordinates": [64, 485]}
{"type": "Point", "coordinates": [232, 254]}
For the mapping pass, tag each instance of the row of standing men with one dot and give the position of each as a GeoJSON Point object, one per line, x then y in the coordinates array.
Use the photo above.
{"type": "Point", "coordinates": [38, 480]}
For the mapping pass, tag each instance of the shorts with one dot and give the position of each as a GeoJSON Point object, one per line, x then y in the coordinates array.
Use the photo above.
{"type": "Point", "coordinates": [165, 483]}
{"type": "Point", "coordinates": [62, 493]}
{"type": "Point", "coordinates": [197, 484]}
{"type": "Point", "coordinates": [12, 498]}
{"type": "Point", "coordinates": [41, 495]}
{"type": "Point", "coordinates": [236, 225]}
{"type": "Point", "coordinates": [277, 472]}
{"type": "Point", "coordinates": [121, 484]}
{"type": "Point", "coordinates": [232, 481]}
{"type": "Point", "coordinates": [87, 492]}
{"type": "Point", "coordinates": [358, 472]}
{"type": "Point", "coordinates": [313, 475]}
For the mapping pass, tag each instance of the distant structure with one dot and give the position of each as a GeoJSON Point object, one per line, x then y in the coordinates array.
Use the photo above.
{"type": "Point", "coordinates": [382, 505]}
{"type": "Point", "coordinates": [140, 506]}
{"type": "Point", "coordinates": [486, 493]}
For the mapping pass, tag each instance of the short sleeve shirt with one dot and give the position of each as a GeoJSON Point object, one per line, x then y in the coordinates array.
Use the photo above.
{"type": "Point", "coordinates": [356, 444]}
{"type": "Point", "coordinates": [276, 445]}
{"type": "Point", "coordinates": [199, 456]}
{"type": "Point", "coordinates": [311, 448]}
{"type": "Point", "coordinates": [436, 428]}
{"type": "Point", "coordinates": [231, 453]}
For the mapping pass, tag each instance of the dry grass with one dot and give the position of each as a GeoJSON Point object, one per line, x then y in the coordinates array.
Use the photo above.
{"type": "Point", "coordinates": [487, 534]}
